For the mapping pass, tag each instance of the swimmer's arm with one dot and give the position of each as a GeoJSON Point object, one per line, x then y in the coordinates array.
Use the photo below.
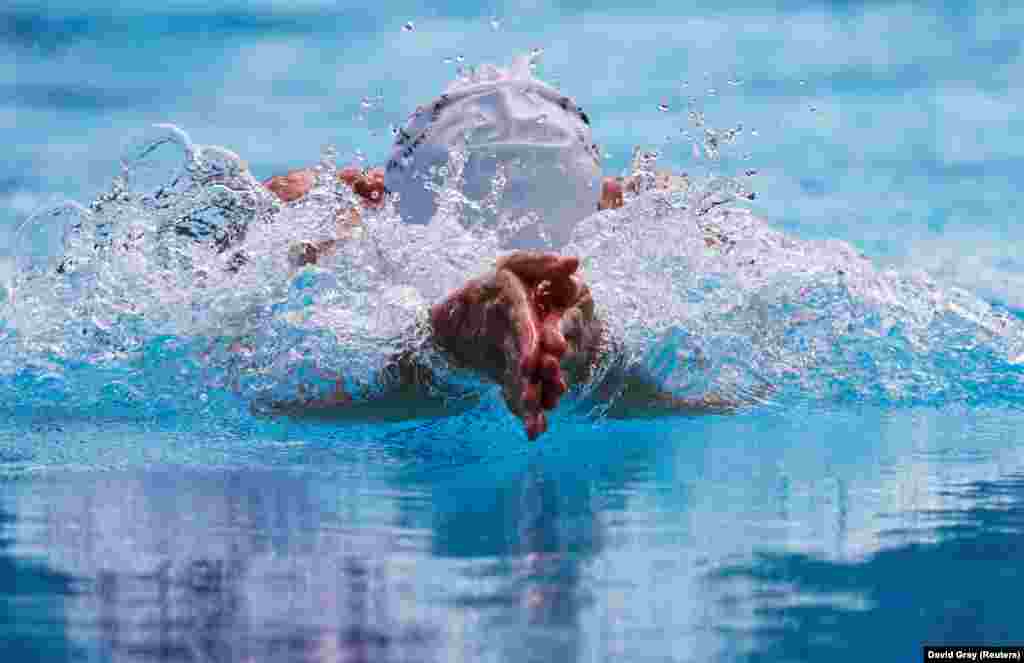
{"type": "Point", "coordinates": [403, 391]}
{"type": "Point", "coordinates": [613, 188]}
{"type": "Point", "coordinates": [295, 185]}
{"type": "Point", "coordinates": [631, 392]}
{"type": "Point", "coordinates": [641, 398]}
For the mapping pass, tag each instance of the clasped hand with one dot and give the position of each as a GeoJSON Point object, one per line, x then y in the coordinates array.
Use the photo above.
{"type": "Point", "coordinates": [516, 324]}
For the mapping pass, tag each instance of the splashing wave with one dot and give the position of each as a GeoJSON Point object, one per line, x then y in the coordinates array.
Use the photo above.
{"type": "Point", "coordinates": [174, 290]}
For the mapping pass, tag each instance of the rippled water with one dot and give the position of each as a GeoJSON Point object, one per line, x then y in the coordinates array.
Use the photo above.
{"type": "Point", "coordinates": [688, 541]}
{"type": "Point", "coordinates": [870, 494]}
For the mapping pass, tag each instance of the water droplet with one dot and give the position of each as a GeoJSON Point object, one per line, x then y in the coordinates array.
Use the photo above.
{"type": "Point", "coordinates": [803, 82]}
{"type": "Point", "coordinates": [328, 154]}
{"type": "Point", "coordinates": [663, 107]}
{"type": "Point", "coordinates": [735, 82]}
{"type": "Point", "coordinates": [607, 155]}
{"type": "Point", "coordinates": [460, 58]}
{"type": "Point", "coordinates": [394, 129]}
{"type": "Point", "coordinates": [750, 172]}
{"type": "Point", "coordinates": [408, 27]}
{"type": "Point", "coordinates": [542, 119]}
{"type": "Point", "coordinates": [536, 52]}
{"type": "Point", "coordinates": [755, 132]}
{"type": "Point", "coordinates": [366, 104]}
{"type": "Point", "coordinates": [712, 91]}
{"type": "Point", "coordinates": [495, 23]}
{"type": "Point", "coordinates": [448, 60]}
{"type": "Point", "coordinates": [729, 135]}
{"type": "Point", "coordinates": [813, 108]}
{"type": "Point", "coordinates": [685, 84]}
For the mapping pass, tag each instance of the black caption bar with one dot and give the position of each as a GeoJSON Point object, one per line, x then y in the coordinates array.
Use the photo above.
{"type": "Point", "coordinates": [972, 653]}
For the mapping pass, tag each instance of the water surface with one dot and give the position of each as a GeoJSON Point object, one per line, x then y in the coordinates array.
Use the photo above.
{"type": "Point", "coordinates": [873, 502]}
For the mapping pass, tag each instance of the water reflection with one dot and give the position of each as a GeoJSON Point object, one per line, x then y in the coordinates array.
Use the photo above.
{"type": "Point", "coordinates": [238, 567]}
{"type": "Point", "coordinates": [958, 580]}
{"type": "Point", "coordinates": [489, 561]}
{"type": "Point", "coordinates": [742, 538]}
{"type": "Point", "coordinates": [32, 605]}
{"type": "Point", "coordinates": [530, 575]}
{"type": "Point", "coordinates": [249, 566]}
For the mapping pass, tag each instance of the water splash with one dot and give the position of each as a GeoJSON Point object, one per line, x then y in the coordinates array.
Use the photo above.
{"type": "Point", "coordinates": [812, 319]}
{"type": "Point", "coordinates": [643, 170]}
{"type": "Point", "coordinates": [180, 282]}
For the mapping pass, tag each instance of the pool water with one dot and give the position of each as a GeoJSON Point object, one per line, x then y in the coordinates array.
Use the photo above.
{"type": "Point", "coordinates": [872, 504]}
{"type": "Point", "coordinates": [786, 536]}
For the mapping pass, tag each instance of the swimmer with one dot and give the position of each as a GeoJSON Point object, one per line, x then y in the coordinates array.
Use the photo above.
{"type": "Point", "coordinates": [530, 324]}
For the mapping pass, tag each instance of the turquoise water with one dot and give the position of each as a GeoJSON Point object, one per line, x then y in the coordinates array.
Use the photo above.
{"type": "Point", "coordinates": [874, 503]}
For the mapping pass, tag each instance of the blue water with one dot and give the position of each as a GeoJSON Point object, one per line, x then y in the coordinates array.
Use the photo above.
{"type": "Point", "coordinates": [874, 505]}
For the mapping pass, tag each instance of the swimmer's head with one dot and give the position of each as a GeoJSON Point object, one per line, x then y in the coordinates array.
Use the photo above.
{"type": "Point", "coordinates": [530, 162]}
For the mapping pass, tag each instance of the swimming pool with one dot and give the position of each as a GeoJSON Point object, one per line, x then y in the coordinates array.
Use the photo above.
{"type": "Point", "coordinates": [873, 505]}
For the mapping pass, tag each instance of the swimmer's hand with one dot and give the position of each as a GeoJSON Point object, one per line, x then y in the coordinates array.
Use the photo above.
{"type": "Point", "coordinates": [369, 186]}
{"type": "Point", "coordinates": [511, 325]}
{"type": "Point", "coordinates": [613, 188]}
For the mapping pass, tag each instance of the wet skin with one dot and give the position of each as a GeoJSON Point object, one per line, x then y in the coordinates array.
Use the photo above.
{"type": "Point", "coordinates": [368, 185]}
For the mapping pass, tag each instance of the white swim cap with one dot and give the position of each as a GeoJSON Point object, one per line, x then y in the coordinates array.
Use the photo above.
{"type": "Point", "coordinates": [530, 162]}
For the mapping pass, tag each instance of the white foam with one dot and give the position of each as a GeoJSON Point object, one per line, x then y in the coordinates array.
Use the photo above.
{"type": "Point", "coordinates": [734, 301]}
